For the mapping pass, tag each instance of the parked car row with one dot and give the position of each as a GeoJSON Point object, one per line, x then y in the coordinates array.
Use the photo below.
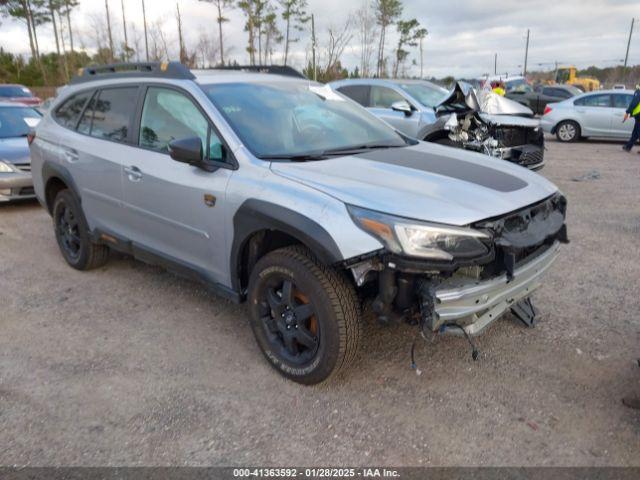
{"type": "Point", "coordinates": [595, 114]}
{"type": "Point", "coordinates": [457, 118]}
{"type": "Point", "coordinates": [284, 193]}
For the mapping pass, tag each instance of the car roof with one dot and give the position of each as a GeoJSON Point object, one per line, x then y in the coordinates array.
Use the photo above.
{"type": "Point", "coordinates": [382, 81]}
{"type": "Point", "coordinates": [611, 90]}
{"type": "Point", "coordinates": [210, 76]}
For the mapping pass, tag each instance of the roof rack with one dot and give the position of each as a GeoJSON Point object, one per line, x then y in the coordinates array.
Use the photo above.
{"type": "Point", "coordinates": [272, 69]}
{"type": "Point", "coordinates": [138, 69]}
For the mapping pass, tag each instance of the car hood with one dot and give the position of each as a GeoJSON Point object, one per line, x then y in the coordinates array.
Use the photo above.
{"type": "Point", "coordinates": [510, 120]}
{"type": "Point", "coordinates": [463, 98]}
{"type": "Point", "coordinates": [427, 182]}
{"type": "Point", "coordinates": [14, 150]}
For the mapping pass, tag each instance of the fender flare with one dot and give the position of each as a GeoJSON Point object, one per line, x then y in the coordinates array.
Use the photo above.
{"type": "Point", "coordinates": [54, 170]}
{"type": "Point", "coordinates": [434, 131]}
{"type": "Point", "coordinates": [257, 215]}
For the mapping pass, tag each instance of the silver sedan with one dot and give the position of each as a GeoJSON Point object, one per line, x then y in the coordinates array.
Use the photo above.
{"type": "Point", "coordinates": [595, 114]}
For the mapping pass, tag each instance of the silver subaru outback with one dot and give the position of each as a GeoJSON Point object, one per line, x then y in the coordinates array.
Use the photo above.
{"type": "Point", "coordinates": [279, 191]}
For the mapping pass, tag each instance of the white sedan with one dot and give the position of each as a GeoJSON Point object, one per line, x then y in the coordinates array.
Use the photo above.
{"type": "Point", "coordinates": [594, 114]}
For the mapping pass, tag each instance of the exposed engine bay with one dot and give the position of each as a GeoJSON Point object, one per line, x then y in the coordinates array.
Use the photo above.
{"type": "Point", "coordinates": [489, 124]}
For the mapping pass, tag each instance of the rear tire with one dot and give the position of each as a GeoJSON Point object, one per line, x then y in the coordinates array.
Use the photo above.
{"type": "Point", "coordinates": [568, 131]}
{"type": "Point", "coordinates": [73, 236]}
{"type": "Point", "coordinates": [305, 316]}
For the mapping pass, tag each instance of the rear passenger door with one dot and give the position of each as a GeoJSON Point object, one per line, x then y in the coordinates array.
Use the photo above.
{"type": "Point", "coordinates": [94, 154]}
{"type": "Point", "coordinates": [174, 209]}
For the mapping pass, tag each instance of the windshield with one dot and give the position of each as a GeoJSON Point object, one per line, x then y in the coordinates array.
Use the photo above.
{"type": "Point", "coordinates": [427, 94]}
{"type": "Point", "coordinates": [12, 91]}
{"type": "Point", "coordinates": [17, 121]}
{"type": "Point", "coordinates": [288, 119]}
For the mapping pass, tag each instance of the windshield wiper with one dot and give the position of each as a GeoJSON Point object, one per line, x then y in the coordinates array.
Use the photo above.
{"type": "Point", "coordinates": [298, 157]}
{"type": "Point", "coordinates": [360, 148]}
{"type": "Point", "coordinates": [324, 154]}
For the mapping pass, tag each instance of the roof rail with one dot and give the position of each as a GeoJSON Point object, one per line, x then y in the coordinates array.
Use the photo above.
{"type": "Point", "coordinates": [138, 69]}
{"type": "Point", "coordinates": [272, 69]}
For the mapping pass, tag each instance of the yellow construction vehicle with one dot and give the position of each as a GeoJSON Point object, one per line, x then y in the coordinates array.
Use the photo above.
{"type": "Point", "coordinates": [567, 75]}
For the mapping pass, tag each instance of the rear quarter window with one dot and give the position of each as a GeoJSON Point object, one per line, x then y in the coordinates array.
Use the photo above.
{"type": "Point", "coordinates": [69, 112]}
{"type": "Point", "coordinates": [109, 115]}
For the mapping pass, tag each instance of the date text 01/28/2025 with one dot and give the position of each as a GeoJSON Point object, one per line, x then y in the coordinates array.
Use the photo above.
{"type": "Point", "coordinates": [315, 473]}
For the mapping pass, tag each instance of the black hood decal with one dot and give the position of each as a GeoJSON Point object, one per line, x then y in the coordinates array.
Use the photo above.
{"type": "Point", "coordinates": [449, 167]}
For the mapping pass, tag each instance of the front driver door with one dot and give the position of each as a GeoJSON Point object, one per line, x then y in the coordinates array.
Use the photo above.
{"type": "Point", "coordinates": [380, 105]}
{"type": "Point", "coordinates": [175, 209]}
{"type": "Point", "coordinates": [621, 102]}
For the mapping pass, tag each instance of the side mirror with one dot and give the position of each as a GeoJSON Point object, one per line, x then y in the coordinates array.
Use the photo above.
{"type": "Point", "coordinates": [187, 150]}
{"type": "Point", "coordinates": [402, 106]}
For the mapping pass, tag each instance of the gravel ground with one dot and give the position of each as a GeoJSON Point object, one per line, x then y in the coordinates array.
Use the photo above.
{"type": "Point", "coordinates": [130, 365]}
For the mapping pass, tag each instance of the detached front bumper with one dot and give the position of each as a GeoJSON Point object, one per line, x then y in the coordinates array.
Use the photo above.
{"type": "Point", "coordinates": [474, 305]}
{"type": "Point", "coordinates": [16, 186]}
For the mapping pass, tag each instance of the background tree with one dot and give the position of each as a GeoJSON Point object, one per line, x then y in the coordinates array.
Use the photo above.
{"type": "Point", "coordinates": [32, 13]}
{"type": "Point", "coordinates": [421, 34]}
{"type": "Point", "coordinates": [365, 21]}
{"type": "Point", "coordinates": [295, 16]}
{"type": "Point", "coordinates": [253, 11]}
{"type": "Point", "coordinates": [407, 29]}
{"type": "Point", "coordinates": [272, 35]}
{"type": "Point", "coordinates": [387, 12]}
{"type": "Point", "coordinates": [221, 6]}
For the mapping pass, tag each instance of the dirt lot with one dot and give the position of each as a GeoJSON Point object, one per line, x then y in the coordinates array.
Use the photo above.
{"type": "Point", "coordinates": [130, 365]}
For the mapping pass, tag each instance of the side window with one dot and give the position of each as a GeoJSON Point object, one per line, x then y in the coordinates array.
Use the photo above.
{"type": "Point", "coordinates": [562, 93]}
{"type": "Point", "coordinates": [383, 97]}
{"type": "Point", "coordinates": [113, 111]}
{"type": "Point", "coordinates": [87, 117]}
{"type": "Point", "coordinates": [68, 113]}
{"type": "Point", "coordinates": [601, 100]}
{"type": "Point", "coordinates": [357, 93]}
{"type": "Point", "coordinates": [622, 101]}
{"type": "Point", "coordinates": [170, 115]}
{"type": "Point", "coordinates": [549, 91]}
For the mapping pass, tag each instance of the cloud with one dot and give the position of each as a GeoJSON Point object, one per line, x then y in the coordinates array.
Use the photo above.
{"type": "Point", "coordinates": [463, 36]}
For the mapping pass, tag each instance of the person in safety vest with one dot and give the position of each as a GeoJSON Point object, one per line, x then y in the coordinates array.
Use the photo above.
{"type": "Point", "coordinates": [633, 111]}
{"type": "Point", "coordinates": [498, 87]}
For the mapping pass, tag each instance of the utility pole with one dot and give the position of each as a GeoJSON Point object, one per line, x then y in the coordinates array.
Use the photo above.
{"type": "Point", "coordinates": [124, 26]}
{"type": "Point", "coordinates": [626, 57]}
{"type": "Point", "coordinates": [526, 55]}
{"type": "Point", "coordinates": [106, 6]}
{"type": "Point", "coordinates": [146, 38]}
{"type": "Point", "coordinates": [313, 46]}
{"type": "Point", "coordinates": [495, 64]}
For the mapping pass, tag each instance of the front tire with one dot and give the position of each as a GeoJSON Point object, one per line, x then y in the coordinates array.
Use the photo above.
{"type": "Point", "coordinates": [305, 316]}
{"type": "Point", "coordinates": [568, 131]}
{"type": "Point", "coordinates": [73, 236]}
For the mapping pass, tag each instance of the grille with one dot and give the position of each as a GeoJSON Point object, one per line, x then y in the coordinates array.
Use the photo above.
{"type": "Point", "coordinates": [27, 191]}
{"type": "Point", "coordinates": [513, 136]}
{"type": "Point", "coordinates": [531, 158]}
{"type": "Point", "coordinates": [24, 167]}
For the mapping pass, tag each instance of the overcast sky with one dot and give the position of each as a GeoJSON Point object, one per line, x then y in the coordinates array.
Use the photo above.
{"type": "Point", "coordinates": [463, 35]}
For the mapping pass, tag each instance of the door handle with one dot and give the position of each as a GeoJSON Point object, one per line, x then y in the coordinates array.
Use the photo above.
{"type": "Point", "coordinates": [134, 173]}
{"type": "Point", "coordinates": [71, 156]}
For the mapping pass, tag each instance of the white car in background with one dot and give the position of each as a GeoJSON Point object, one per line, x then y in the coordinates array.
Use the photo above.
{"type": "Point", "coordinates": [595, 114]}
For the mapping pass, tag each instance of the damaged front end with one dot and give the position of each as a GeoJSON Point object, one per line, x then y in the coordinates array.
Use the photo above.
{"type": "Point", "coordinates": [490, 124]}
{"type": "Point", "coordinates": [465, 293]}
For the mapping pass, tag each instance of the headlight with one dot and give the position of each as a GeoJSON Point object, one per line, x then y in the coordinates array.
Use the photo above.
{"type": "Point", "coordinates": [6, 167]}
{"type": "Point", "coordinates": [421, 239]}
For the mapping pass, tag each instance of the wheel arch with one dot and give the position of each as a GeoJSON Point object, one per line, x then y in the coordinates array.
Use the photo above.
{"type": "Point", "coordinates": [56, 178]}
{"type": "Point", "coordinates": [261, 227]}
